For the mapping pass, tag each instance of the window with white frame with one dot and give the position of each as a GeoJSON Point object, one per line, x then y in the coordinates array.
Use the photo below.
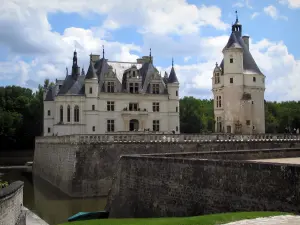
{"type": "Point", "coordinates": [110, 125]}
{"type": "Point", "coordinates": [155, 125]}
{"type": "Point", "coordinates": [110, 106]}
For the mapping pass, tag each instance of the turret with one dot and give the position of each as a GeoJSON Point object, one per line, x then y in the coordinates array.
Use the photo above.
{"type": "Point", "coordinates": [75, 68]}
{"type": "Point", "coordinates": [173, 84]}
{"type": "Point", "coordinates": [91, 81]}
{"type": "Point", "coordinates": [217, 76]}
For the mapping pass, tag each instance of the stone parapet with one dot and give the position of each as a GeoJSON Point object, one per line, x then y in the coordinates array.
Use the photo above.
{"type": "Point", "coordinates": [146, 137]}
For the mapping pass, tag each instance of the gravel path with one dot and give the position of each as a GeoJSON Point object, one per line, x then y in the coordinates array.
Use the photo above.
{"type": "Point", "coordinates": [275, 220]}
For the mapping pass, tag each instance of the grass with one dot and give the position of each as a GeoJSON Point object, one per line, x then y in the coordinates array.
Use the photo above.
{"type": "Point", "coordinates": [212, 219]}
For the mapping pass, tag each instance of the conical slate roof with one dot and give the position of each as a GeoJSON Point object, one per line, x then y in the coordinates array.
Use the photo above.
{"type": "Point", "coordinates": [91, 72]}
{"type": "Point", "coordinates": [173, 77]}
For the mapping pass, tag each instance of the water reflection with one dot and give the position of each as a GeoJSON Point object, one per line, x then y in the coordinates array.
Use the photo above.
{"type": "Point", "coordinates": [48, 202]}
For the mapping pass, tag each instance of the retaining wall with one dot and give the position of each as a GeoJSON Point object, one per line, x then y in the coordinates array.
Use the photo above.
{"type": "Point", "coordinates": [11, 202]}
{"type": "Point", "coordinates": [85, 169]}
{"type": "Point", "coordinates": [148, 186]}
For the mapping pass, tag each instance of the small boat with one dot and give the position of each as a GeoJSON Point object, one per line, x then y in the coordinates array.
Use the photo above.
{"type": "Point", "coordinates": [89, 216]}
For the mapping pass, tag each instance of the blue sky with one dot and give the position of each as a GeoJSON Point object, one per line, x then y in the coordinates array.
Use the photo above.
{"type": "Point", "coordinates": [38, 38]}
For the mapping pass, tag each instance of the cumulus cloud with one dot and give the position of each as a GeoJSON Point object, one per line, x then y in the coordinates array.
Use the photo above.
{"type": "Point", "coordinates": [291, 3]}
{"type": "Point", "coordinates": [254, 15]}
{"type": "Point", "coordinates": [274, 13]}
{"type": "Point", "coordinates": [241, 4]}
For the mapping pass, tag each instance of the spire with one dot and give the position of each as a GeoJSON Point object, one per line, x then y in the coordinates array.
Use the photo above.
{"type": "Point", "coordinates": [237, 27]}
{"type": "Point", "coordinates": [216, 64]}
{"type": "Point", "coordinates": [75, 66]}
{"type": "Point", "coordinates": [150, 56]}
{"type": "Point", "coordinates": [82, 71]}
{"type": "Point", "coordinates": [103, 51]}
{"type": "Point", "coordinates": [172, 78]}
{"type": "Point", "coordinates": [67, 71]}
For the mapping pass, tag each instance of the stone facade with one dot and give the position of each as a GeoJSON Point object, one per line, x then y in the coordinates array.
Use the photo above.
{"type": "Point", "coordinates": [238, 87]}
{"type": "Point", "coordinates": [112, 97]}
{"type": "Point", "coordinates": [159, 186]}
{"type": "Point", "coordinates": [11, 203]}
{"type": "Point", "coordinates": [85, 169]}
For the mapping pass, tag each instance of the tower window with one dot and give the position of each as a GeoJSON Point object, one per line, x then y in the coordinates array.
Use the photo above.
{"type": "Point", "coordinates": [219, 101]}
{"type": "Point", "coordinates": [231, 80]}
{"type": "Point", "coordinates": [91, 90]}
{"type": "Point", "coordinates": [231, 60]}
{"type": "Point", "coordinates": [49, 129]}
{"type": "Point", "coordinates": [176, 108]}
{"type": "Point", "coordinates": [49, 113]}
{"type": "Point", "coordinates": [94, 128]}
{"type": "Point", "coordinates": [217, 78]}
{"type": "Point", "coordinates": [176, 128]}
{"type": "Point", "coordinates": [176, 93]}
{"type": "Point", "coordinates": [133, 73]}
{"type": "Point", "coordinates": [254, 79]}
{"type": "Point", "coordinates": [93, 107]}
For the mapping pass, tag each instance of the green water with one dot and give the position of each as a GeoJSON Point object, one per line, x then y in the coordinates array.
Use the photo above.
{"type": "Point", "coordinates": [49, 203]}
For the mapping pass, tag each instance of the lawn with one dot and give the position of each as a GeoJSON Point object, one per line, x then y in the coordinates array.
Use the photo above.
{"type": "Point", "coordinates": [212, 219]}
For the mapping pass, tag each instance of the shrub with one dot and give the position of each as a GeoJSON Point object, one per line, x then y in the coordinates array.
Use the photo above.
{"type": "Point", "coordinates": [3, 184]}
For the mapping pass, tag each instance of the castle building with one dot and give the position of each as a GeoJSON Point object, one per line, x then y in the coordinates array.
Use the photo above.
{"type": "Point", "coordinates": [112, 97]}
{"type": "Point", "coordinates": [238, 87]}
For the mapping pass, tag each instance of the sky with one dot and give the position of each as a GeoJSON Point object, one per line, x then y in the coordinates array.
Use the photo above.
{"type": "Point", "coordinates": [38, 38]}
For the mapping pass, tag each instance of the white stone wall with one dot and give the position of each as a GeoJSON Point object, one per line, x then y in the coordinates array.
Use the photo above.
{"type": "Point", "coordinates": [89, 118]}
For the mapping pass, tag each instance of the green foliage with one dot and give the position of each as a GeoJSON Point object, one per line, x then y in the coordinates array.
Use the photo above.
{"type": "Point", "coordinates": [197, 116]}
{"type": "Point", "coordinates": [3, 184]}
{"type": "Point", "coordinates": [21, 117]}
{"type": "Point", "coordinates": [212, 219]}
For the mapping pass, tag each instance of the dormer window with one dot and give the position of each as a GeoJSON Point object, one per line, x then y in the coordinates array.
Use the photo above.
{"type": "Point", "coordinates": [217, 78]}
{"type": "Point", "coordinates": [155, 88]}
{"type": "Point", "coordinates": [133, 73]}
{"type": "Point", "coordinates": [91, 90]}
{"type": "Point", "coordinates": [110, 87]}
{"type": "Point", "coordinates": [134, 87]}
{"type": "Point", "coordinates": [254, 79]}
{"type": "Point", "coordinates": [231, 60]}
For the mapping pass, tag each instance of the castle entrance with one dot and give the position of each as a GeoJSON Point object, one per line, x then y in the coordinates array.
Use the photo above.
{"type": "Point", "coordinates": [133, 125]}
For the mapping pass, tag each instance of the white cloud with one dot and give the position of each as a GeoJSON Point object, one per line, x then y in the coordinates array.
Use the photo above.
{"type": "Point", "coordinates": [254, 15]}
{"type": "Point", "coordinates": [187, 58]}
{"type": "Point", "coordinates": [242, 3]}
{"type": "Point", "coordinates": [291, 3]}
{"type": "Point", "coordinates": [274, 13]}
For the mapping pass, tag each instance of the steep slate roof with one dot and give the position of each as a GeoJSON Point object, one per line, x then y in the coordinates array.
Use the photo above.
{"type": "Point", "coordinates": [50, 94]}
{"type": "Point", "coordinates": [72, 86]}
{"type": "Point", "coordinates": [173, 77]}
{"type": "Point", "coordinates": [249, 64]}
{"type": "Point", "coordinates": [91, 74]}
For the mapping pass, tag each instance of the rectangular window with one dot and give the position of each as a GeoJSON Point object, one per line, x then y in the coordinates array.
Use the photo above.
{"type": "Point", "coordinates": [136, 88]}
{"type": "Point", "coordinates": [49, 129]}
{"type": "Point", "coordinates": [176, 93]}
{"type": "Point", "coordinates": [111, 87]}
{"type": "Point", "coordinates": [155, 88]}
{"type": "Point", "coordinates": [155, 106]}
{"type": "Point", "coordinates": [217, 78]}
{"type": "Point", "coordinates": [91, 90]}
{"type": "Point", "coordinates": [133, 106]}
{"type": "Point", "coordinates": [155, 125]}
{"type": "Point", "coordinates": [69, 113]}
{"type": "Point", "coordinates": [176, 128]}
{"type": "Point", "coordinates": [176, 108]}
{"type": "Point", "coordinates": [110, 125]}
{"type": "Point", "coordinates": [231, 60]}
{"type": "Point", "coordinates": [231, 80]}
{"type": "Point", "coordinates": [219, 102]}
{"type": "Point", "coordinates": [94, 128]}
{"type": "Point", "coordinates": [254, 79]}
{"type": "Point", "coordinates": [133, 73]}
{"type": "Point", "coordinates": [248, 122]}
{"type": "Point", "coordinates": [110, 106]}
{"type": "Point", "coordinates": [93, 107]}
{"type": "Point", "coordinates": [49, 113]}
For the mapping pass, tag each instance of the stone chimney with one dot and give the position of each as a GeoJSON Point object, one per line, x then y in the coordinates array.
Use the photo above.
{"type": "Point", "coordinates": [246, 41]}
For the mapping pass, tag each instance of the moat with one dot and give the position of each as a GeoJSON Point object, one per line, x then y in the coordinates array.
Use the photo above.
{"type": "Point", "coordinates": [49, 203]}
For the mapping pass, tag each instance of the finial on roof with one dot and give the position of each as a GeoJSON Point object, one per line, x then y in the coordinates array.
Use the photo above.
{"type": "Point", "coordinates": [82, 71]}
{"type": "Point", "coordinates": [66, 71]}
{"type": "Point", "coordinates": [237, 18]}
{"type": "Point", "coordinates": [103, 51]}
{"type": "Point", "coordinates": [150, 56]}
{"type": "Point", "coordinates": [172, 61]}
{"type": "Point", "coordinates": [216, 64]}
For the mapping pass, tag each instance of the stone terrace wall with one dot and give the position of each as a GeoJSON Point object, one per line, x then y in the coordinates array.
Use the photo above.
{"type": "Point", "coordinates": [86, 169]}
{"type": "Point", "coordinates": [147, 186]}
{"type": "Point", "coordinates": [11, 202]}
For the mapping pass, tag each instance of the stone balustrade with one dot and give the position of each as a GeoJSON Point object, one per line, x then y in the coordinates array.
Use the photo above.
{"type": "Point", "coordinates": [146, 137]}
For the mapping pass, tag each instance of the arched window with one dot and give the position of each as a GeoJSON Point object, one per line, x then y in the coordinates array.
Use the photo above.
{"type": "Point", "coordinates": [69, 114]}
{"type": "Point", "coordinates": [76, 113]}
{"type": "Point", "coordinates": [61, 114]}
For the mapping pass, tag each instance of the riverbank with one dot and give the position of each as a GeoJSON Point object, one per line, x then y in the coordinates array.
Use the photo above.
{"type": "Point", "coordinates": [212, 219]}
